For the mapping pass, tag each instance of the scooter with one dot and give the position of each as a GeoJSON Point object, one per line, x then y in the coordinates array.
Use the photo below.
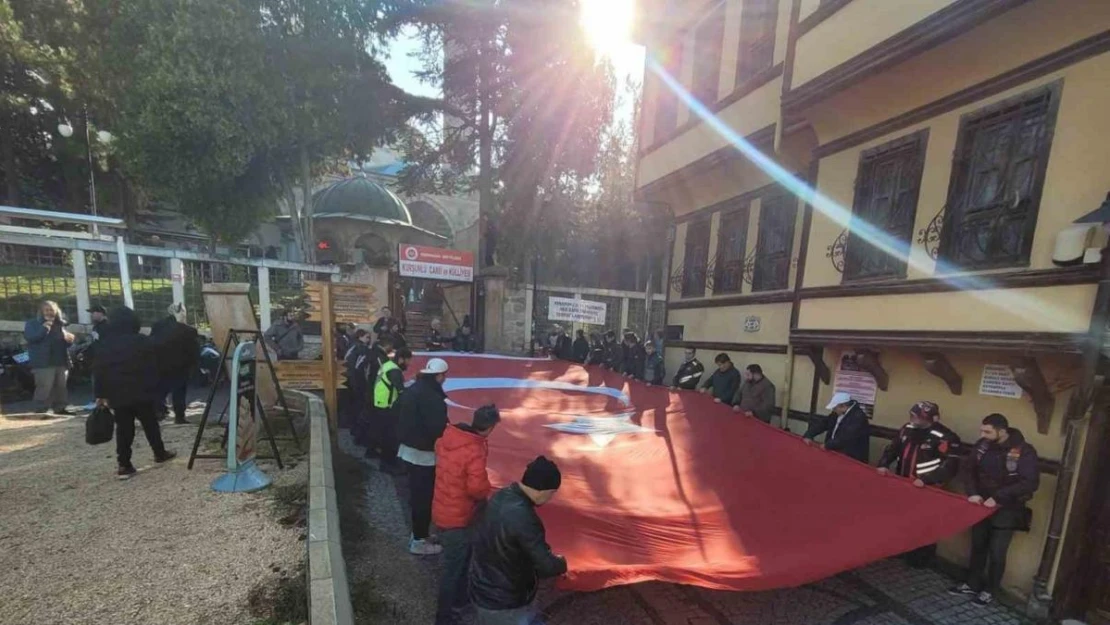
{"type": "Point", "coordinates": [209, 366]}
{"type": "Point", "coordinates": [17, 381]}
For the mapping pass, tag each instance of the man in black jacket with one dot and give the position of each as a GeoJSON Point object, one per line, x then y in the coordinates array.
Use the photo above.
{"type": "Point", "coordinates": [357, 361]}
{"type": "Point", "coordinates": [634, 356]}
{"type": "Point", "coordinates": [724, 381]}
{"type": "Point", "coordinates": [125, 375]}
{"type": "Point", "coordinates": [178, 350]}
{"type": "Point", "coordinates": [510, 549]}
{"type": "Point", "coordinates": [614, 354]}
{"type": "Point", "coordinates": [847, 429]}
{"type": "Point", "coordinates": [1001, 472]}
{"type": "Point", "coordinates": [434, 341]}
{"type": "Point", "coordinates": [689, 372]}
{"type": "Point", "coordinates": [924, 451]}
{"type": "Point", "coordinates": [560, 346]}
{"type": "Point", "coordinates": [581, 347]}
{"type": "Point", "coordinates": [422, 412]}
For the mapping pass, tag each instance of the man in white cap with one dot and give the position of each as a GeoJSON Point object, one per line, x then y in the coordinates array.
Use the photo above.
{"type": "Point", "coordinates": [422, 410]}
{"type": "Point", "coordinates": [846, 429]}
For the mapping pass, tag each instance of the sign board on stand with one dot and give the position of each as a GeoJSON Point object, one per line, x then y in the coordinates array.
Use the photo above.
{"type": "Point", "coordinates": [576, 310]}
{"type": "Point", "coordinates": [331, 303]}
{"type": "Point", "coordinates": [243, 474]}
{"type": "Point", "coordinates": [350, 303]}
{"type": "Point", "coordinates": [306, 375]}
{"type": "Point", "coordinates": [434, 263]}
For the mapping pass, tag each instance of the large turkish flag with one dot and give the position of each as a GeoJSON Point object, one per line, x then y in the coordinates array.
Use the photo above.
{"type": "Point", "coordinates": [673, 487]}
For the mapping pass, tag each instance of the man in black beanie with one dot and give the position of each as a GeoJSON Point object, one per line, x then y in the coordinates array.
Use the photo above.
{"type": "Point", "coordinates": [510, 549]}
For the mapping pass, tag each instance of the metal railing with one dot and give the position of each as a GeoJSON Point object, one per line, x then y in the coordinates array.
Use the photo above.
{"type": "Point", "coordinates": [80, 273]}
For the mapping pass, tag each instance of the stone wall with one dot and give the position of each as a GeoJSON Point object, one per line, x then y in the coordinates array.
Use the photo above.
{"type": "Point", "coordinates": [514, 319]}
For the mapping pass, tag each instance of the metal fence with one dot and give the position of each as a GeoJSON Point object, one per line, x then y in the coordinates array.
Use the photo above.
{"type": "Point", "coordinates": [81, 274]}
{"type": "Point", "coordinates": [30, 275]}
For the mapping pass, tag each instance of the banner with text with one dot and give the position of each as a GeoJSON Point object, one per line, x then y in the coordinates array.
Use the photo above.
{"type": "Point", "coordinates": [580, 310]}
{"type": "Point", "coordinates": [434, 263]}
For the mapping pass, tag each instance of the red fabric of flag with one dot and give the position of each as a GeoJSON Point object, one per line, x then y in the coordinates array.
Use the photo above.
{"type": "Point", "coordinates": [669, 486]}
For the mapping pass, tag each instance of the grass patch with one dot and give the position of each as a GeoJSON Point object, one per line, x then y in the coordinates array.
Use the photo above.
{"type": "Point", "coordinates": [280, 599]}
{"type": "Point", "coordinates": [369, 606]}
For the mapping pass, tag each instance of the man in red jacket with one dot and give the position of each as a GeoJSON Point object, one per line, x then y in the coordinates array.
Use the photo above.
{"type": "Point", "coordinates": [461, 487]}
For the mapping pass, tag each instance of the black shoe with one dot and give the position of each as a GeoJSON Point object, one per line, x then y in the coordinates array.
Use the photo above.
{"type": "Point", "coordinates": [181, 421]}
{"type": "Point", "coordinates": [63, 412]}
{"type": "Point", "coordinates": [125, 473]}
{"type": "Point", "coordinates": [962, 589]}
{"type": "Point", "coordinates": [983, 600]}
{"type": "Point", "coordinates": [166, 457]}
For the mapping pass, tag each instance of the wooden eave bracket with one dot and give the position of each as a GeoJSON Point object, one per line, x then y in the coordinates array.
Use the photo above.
{"type": "Point", "coordinates": [1030, 378]}
{"type": "Point", "coordinates": [868, 360]}
{"type": "Point", "coordinates": [817, 355]}
{"type": "Point", "coordinates": [938, 364]}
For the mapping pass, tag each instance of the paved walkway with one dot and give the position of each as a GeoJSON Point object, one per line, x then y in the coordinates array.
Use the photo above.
{"type": "Point", "coordinates": [884, 593]}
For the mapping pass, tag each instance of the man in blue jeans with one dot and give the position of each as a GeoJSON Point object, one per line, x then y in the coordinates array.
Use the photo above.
{"type": "Point", "coordinates": [510, 550]}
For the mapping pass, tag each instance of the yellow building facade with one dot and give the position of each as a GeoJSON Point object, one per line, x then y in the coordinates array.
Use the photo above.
{"type": "Point", "coordinates": [892, 186]}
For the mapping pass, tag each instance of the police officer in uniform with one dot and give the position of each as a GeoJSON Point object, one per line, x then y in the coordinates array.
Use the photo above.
{"type": "Point", "coordinates": [924, 451]}
{"type": "Point", "coordinates": [388, 387]}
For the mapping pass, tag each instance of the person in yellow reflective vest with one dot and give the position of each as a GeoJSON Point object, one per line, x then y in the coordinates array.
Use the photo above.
{"type": "Point", "coordinates": [388, 386]}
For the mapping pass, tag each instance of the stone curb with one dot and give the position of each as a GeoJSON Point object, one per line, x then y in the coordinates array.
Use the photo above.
{"type": "Point", "coordinates": [329, 596]}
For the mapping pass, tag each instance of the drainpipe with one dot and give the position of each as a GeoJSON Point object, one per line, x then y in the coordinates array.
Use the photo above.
{"type": "Point", "coordinates": [1077, 408]}
{"type": "Point", "coordinates": [786, 387]}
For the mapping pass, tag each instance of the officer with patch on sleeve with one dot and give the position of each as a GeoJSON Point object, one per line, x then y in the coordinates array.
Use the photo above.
{"type": "Point", "coordinates": [925, 451]}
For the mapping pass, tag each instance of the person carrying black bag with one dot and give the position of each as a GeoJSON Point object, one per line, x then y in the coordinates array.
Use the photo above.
{"type": "Point", "coordinates": [1001, 473]}
{"type": "Point", "coordinates": [175, 343]}
{"type": "Point", "coordinates": [126, 380]}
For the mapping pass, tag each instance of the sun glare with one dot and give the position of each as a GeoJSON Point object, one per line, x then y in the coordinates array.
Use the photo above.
{"type": "Point", "coordinates": [608, 24]}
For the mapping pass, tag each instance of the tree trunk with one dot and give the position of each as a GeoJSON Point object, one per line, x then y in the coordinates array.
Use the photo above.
{"type": "Point", "coordinates": [295, 217]}
{"type": "Point", "coordinates": [11, 170]}
{"type": "Point", "coordinates": [306, 184]}
{"type": "Point", "coordinates": [485, 154]}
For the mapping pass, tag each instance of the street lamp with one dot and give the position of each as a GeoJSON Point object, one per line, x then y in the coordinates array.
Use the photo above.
{"type": "Point", "coordinates": [104, 137]}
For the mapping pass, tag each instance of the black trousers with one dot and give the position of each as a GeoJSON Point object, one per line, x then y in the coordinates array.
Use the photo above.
{"type": "Point", "coordinates": [125, 430]}
{"type": "Point", "coordinates": [382, 433]}
{"type": "Point", "coordinates": [422, 486]}
{"type": "Point", "coordinates": [988, 556]}
{"type": "Point", "coordinates": [177, 389]}
{"type": "Point", "coordinates": [453, 590]}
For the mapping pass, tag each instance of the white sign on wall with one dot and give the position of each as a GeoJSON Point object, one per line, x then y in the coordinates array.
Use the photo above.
{"type": "Point", "coordinates": [859, 384]}
{"type": "Point", "coordinates": [998, 381]}
{"type": "Point", "coordinates": [580, 310]}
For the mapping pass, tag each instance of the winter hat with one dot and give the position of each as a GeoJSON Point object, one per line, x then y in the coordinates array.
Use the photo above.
{"type": "Point", "coordinates": [542, 474]}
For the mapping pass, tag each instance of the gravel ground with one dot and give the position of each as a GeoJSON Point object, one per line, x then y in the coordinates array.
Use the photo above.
{"type": "Point", "coordinates": [78, 546]}
{"type": "Point", "coordinates": [375, 531]}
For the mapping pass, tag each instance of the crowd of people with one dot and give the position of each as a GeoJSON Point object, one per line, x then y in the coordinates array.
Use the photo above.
{"type": "Point", "coordinates": [132, 373]}
{"type": "Point", "coordinates": [493, 543]}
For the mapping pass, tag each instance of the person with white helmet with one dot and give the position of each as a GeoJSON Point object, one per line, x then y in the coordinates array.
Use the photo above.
{"type": "Point", "coordinates": [422, 411]}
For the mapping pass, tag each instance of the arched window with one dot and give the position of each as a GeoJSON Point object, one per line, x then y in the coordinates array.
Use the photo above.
{"type": "Point", "coordinates": [427, 216]}
{"type": "Point", "coordinates": [377, 251]}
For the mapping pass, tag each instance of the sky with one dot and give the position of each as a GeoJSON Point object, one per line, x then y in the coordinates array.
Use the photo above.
{"type": "Point", "coordinates": [628, 60]}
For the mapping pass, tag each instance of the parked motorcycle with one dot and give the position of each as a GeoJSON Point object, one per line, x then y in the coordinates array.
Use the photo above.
{"type": "Point", "coordinates": [17, 381]}
{"type": "Point", "coordinates": [80, 364]}
{"type": "Point", "coordinates": [209, 366]}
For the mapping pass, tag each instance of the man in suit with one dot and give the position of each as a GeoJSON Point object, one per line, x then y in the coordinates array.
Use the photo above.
{"type": "Point", "coordinates": [846, 429]}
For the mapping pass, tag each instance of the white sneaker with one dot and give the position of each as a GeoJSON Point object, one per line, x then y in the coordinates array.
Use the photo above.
{"type": "Point", "coordinates": [424, 548]}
